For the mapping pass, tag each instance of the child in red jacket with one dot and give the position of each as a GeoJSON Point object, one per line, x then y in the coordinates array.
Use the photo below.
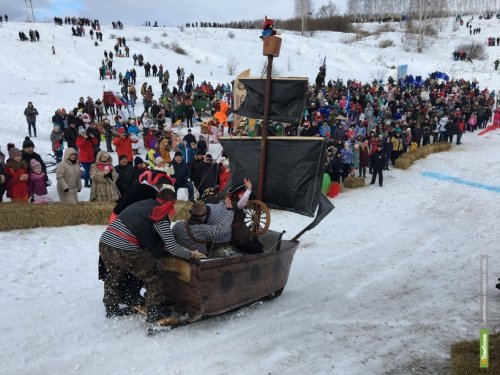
{"type": "Point", "coordinates": [16, 171]}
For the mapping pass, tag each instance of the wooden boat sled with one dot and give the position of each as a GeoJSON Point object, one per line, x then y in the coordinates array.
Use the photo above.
{"type": "Point", "coordinates": [214, 286]}
{"type": "Point", "coordinates": [289, 171]}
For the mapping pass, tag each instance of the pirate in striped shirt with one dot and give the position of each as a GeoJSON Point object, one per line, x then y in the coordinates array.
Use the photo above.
{"type": "Point", "coordinates": [132, 243]}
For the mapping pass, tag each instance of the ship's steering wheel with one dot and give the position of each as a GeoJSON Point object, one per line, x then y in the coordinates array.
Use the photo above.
{"type": "Point", "coordinates": [257, 217]}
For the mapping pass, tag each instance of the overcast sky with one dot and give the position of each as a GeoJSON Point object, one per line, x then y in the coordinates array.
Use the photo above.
{"type": "Point", "coordinates": [169, 13]}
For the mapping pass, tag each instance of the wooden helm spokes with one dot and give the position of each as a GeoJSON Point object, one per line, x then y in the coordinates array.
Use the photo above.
{"type": "Point", "coordinates": [258, 217]}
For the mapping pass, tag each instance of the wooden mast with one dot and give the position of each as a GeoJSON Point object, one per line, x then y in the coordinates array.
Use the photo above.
{"type": "Point", "coordinates": [265, 125]}
{"type": "Point", "coordinates": [272, 46]}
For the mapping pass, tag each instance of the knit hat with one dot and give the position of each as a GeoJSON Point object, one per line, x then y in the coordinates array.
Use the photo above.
{"type": "Point", "coordinates": [121, 157]}
{"type": "Point", "coordinates": [34, 164]}
{"type": "Point", "coordinates": [200, 152]}
{"type": "Point", "coordinates": [81, 130]}
{"type": "Point", "coordinates": [159, 160]}
{"type": "Point", "coordinates": [138, 160]}
{"type": "Point", "coordinates": [28, 143]}
{"type": "Point", "coordinates": [209, 158]}
{"type": "Point", "coordinates": [178, 153]}
{"type": "Point", "coordinates": [13, 151]}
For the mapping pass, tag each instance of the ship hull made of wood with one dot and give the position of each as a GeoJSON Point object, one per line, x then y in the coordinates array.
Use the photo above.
{"type": "Point", "coordinates": [216, 285]}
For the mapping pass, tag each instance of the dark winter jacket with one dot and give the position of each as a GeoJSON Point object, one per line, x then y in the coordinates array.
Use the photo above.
{"type": "Point", "coordinates": [70, 135]}
{"type": "Point", "coordinates": [181, 173]}
{"type": "Point", "coordinates": [189, 111]}
{"type": "Point", "coordinates": [208, 174]}
{"type": "Point", "coordinates": [339, 133]}
{"type": "Point", "coordinates": [30, 113]}
{"type": "Point", "coordinates": [337, 163]}
{"type": "Point", "coordinates": [416, 133]}
{"type": "Point", "coordinates": [57, 119]}
{"type": "Point", "coordinates": [126, 178]}
{"type": "Point", "coordinates": [377, 161]}
{"type": "Point", "coordinates": [27, 159]}
{"type": "Point", "coordinates": [189, 138]}
{"type": "Point", "coordinates": [201, 145]}
{"type": "Point", "coordinates": [194, 168]}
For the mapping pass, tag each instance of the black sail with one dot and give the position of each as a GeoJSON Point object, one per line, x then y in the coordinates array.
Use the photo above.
{"type": "Point", "coordinates": [288, 98]}
{"type": "Point", "coordinates": [294, 169]}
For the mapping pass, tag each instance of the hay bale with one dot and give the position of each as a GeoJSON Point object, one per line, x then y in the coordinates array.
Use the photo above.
{"type": "Point", "coordinates": [407, 159]}
{"type": "Point", "coordinates": [465, 357]}
{"type": "Point", "coordinates": [445, 146]}
{"type": "Point", "coordinates": [436, 147]}
{"type": "Point", "coordinates": [403, 163]}
{"type": "Point", "coordinates": [26, 216]}
{"type": "Point", "coordinates": [416, 154]}
{"type": "Point", "coordinates": [441, 146]}
{"type": "Point", "coordinates": [425, 150]}
{"type": "Point", "coordinates": [409, 156]}
{"type": "Point", "coordinates": [431, 148]}
{"type": "Point", "coordinates": [422, 152]}
{"type": "Point", "coordinates": [354, 182]}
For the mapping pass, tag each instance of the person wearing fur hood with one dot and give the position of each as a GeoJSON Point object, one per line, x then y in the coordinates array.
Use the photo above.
{"type": "Point", "coordinates": [68, 175]}
{"type": "Point", "coordinates": [104, 179]}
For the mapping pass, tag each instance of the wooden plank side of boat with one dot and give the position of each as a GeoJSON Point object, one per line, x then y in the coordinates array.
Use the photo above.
{"type": "Point", "coordinates": [181, 282]}
{"type": "Point", "coordinates": [241, 281]}
{"type": "Point", "coordinates": [217, 285]}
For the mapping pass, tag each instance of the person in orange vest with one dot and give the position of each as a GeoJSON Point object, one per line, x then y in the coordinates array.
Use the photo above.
{"type": "Point", "coordinates": [123, 144]}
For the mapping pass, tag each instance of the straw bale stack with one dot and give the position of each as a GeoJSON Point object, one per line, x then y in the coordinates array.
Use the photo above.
{"type": "Point", "coordinates": [27, 215]}
{"type": "Point", "coordinates": [354, 182]}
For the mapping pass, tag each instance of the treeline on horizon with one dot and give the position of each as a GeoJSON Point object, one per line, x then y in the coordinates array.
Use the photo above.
{"type": "Point", "coordinates": [336, 23]}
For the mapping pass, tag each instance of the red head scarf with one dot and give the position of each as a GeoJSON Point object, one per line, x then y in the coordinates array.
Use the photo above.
{"type": "Point", "coordinates": [165, 208]}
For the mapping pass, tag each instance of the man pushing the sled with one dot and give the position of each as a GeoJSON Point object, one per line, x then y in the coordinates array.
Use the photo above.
{"type": "Point", "coordinates": [132, 243]}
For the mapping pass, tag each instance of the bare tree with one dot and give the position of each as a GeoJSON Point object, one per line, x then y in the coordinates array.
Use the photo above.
{"type": "Point", "coordinates": [354, 8]}
{"type": "Point", "coordinates": [231, 65]}
{"type": "Point", "coordinates": [439, 8]}
{"type": "Point", "coordinates": [303, 9]}
{"type": "Point", "coordinates": [327, 10]}
{"type": "Point", "coordinates": [421, 9]}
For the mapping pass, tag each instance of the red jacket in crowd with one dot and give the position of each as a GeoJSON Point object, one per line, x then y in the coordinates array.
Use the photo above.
{"type": "Point", "coordinates": [124, 146]}
{"type": "Point", "coordinates": [86, 148]}
{"type": "Point", "coordinates": [16, 188]}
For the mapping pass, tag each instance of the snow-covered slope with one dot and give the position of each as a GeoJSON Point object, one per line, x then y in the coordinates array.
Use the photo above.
{"type": "Point", "coordinates": [31, 73]}
{"type": "Point", "coordinates": [383, 285]}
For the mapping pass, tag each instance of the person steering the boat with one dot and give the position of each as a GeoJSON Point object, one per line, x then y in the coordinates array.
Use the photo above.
{"type": "Point", "coordinates": [241, 236]}
{"type": "Point", "coordinates": [193, 234]}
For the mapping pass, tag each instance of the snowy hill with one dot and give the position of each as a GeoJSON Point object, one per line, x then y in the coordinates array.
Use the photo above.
{"type": "Point", "coordinates": [31, 73]}
{"type": "Point", "coordinates": [383, 285]}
